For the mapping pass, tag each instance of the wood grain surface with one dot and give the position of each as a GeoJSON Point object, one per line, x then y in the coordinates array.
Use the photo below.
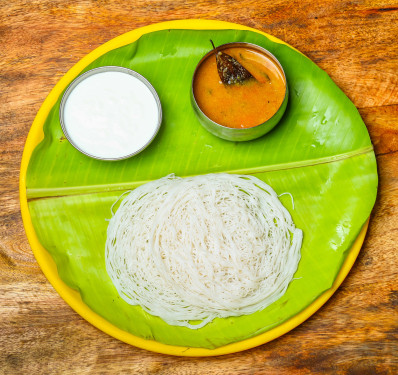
{"type": "Point", "coordinates": [355, 42]}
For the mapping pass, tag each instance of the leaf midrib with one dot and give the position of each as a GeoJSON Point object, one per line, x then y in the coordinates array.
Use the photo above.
{"type": "Point", "coordinates": [59, 192]}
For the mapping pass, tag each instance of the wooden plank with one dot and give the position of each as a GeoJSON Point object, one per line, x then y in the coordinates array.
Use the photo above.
{"type": "Point", "coordinates": [353, 41]}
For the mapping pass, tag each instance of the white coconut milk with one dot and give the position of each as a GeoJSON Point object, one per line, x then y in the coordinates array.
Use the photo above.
{"type": "Point", "coordinates": [111, 115]}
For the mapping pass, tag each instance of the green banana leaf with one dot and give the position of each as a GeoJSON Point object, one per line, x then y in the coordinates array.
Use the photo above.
{"type": "Point", "coordinates": [320, 153]}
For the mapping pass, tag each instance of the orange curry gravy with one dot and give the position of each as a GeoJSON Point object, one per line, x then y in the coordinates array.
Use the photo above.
{"type": "Point", "coordinates": [241, 105]}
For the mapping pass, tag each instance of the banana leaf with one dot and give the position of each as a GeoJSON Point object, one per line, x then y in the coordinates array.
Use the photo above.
{"type": "Point", "coordinates": [320, 152]}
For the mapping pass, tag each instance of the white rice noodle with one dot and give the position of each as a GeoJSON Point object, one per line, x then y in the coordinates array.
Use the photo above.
{"type": "Point", "coordinates": [193, 249]}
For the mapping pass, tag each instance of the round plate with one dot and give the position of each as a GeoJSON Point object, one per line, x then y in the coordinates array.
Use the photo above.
{"type": "Point", "coordinates": [71, 296]}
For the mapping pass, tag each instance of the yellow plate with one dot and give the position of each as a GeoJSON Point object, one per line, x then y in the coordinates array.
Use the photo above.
{"type": "Point", "coordinates": [72, 297]}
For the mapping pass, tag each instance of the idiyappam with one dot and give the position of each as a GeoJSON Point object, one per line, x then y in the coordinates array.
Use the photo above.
{"type": "Point", "coordinates": [190, 250]}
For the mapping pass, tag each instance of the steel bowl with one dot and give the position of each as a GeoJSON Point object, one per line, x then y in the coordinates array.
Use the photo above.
{"type": "Point", "coordinates": [240, 134]}
{"type": "Point", "coordinates": [99, 70]}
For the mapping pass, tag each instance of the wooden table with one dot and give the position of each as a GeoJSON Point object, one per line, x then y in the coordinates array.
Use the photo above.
{"type": "Point", "coordinates": [355, 42]}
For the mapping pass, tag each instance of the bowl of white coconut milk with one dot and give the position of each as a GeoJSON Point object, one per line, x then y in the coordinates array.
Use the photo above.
{"type": "Point", "coordinates": [110, 113]}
